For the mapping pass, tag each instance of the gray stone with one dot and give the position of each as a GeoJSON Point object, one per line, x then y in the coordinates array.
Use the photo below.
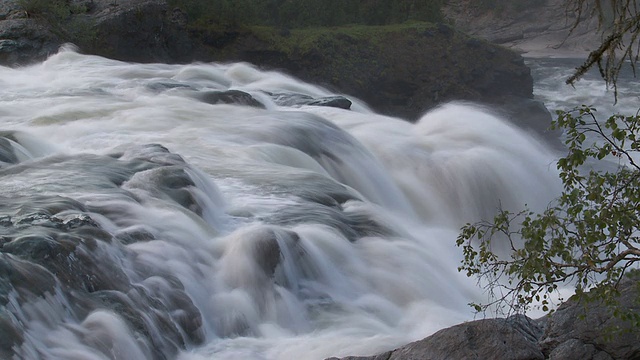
{"type": "Point", "coordinates": [229, 97]}
{"type": "Point", "coordinates": [572, 349]}
{"type": "Point", "coordinates": [482, 339]}
{"type": "Point", "coordinates": [593, 324]}
{"type": "Point", "coordinates": [141, 31]}
{"type": "Point", "coordinates": [333, 101]}
{"type": "Point", "coordinates": [24, 41]}
{"type": "Point", "coordinates": [539, 28]}
{"type": "Point", "coordinates": [293, 99]}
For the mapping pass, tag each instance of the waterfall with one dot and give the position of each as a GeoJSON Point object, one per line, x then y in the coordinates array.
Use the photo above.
{"type": "Point", "coordinates": [141, 220]}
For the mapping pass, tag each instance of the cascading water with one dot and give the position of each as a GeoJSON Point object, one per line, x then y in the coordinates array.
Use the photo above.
{"type": "Point", "coordinates": [139, 221]}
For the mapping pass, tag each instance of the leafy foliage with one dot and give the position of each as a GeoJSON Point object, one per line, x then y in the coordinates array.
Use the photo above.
{"type": "Point", "coordinates": [619, 23]}
{"type": "Point", "coordinates": [590, 235]}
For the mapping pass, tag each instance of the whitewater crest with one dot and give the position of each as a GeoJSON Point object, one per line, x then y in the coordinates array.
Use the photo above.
{"type": "Point", "coordinates": [218, 211]}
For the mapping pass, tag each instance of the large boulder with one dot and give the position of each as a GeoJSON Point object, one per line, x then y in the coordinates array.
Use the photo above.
{"type": "Point", "coordinates": [24, 40]}
{"type": "Point", "coordinates": [514, 338]}
{"type": "Point", "coordinates": [579, 330]}
{"type": "Point", "coordinates": [140, 31]}
{"type": "Point", "coordinates": [575, 331]}
{"type": "Point", "coordinates": [400, 70]}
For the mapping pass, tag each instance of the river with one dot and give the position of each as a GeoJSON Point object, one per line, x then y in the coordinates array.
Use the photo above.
{"type": "Point", "coordinates": [176, 228]}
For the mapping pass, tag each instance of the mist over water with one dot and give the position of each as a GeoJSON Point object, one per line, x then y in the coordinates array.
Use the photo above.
{"type": "Point", "coordinates": [202, 231]}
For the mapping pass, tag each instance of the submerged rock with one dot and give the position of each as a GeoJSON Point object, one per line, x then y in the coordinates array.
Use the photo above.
{"type": "Point", "coordinates": [293, 99]}
{"type": "Point", "coordinates": [60, 253]}
{"type": "Point", "coordinates": [333, 101]}
{"type": "Point", "coordinates": [229, 97]}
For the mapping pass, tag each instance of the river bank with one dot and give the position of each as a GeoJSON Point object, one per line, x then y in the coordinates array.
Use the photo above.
{"type": "Point", "coordinates": [399, 70]}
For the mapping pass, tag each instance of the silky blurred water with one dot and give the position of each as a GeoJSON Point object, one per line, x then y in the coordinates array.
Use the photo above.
{"type": "Point", "coordinates": [316, 231]}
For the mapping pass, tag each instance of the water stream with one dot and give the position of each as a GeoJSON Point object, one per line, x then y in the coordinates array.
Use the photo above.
{"type": "Point", "coordinates": [139, 221]}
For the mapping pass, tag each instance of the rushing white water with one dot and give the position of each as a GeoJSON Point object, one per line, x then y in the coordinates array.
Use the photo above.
{"type": "Point", "coordinates": [550, 75]}
{"type": "Point", "coordinates": [278, 233]}
{"type": "Point", "coordinates": [591, 90]}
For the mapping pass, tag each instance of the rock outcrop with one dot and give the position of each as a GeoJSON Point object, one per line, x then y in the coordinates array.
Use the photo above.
{"type": "Point", "coordinates": [24, 40]}
{"type": "Point", "coordinates": [591, 331]}
{"type": "Point", "coordinates": [400, 70]}
{"type": "Point", "coordinates": [139, 31]}
{"type": "Point", "coordinates": [576, 331]}
{"type": "Point", "coordinates": [535, 28]}
{"type": "Point", "coordinates": [513, 338]}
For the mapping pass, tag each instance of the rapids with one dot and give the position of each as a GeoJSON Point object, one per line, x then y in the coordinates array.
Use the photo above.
{"type": "Point", "coordinates": [174, 228]}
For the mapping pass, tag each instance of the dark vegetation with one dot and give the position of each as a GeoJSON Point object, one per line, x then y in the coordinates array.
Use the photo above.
{"type": "Point", "coordinates": [308, 13]}
{"type": "Point", "coordinates": [70, 21]}
{"type": "Point", "coordinates": [502, 5]}
{"type": "Point", "coordinates": [64, 16]}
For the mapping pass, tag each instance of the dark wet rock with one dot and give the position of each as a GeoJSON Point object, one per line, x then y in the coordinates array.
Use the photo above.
{"type": "Point", "coordinates": [5, 220]}
{"type": "Point", "coordinates": [7, 152]}
{"type": "Point", "coordinates": [141, 31]}
{"type": "Point", "coordinates": [28, 279]}
{"type": "Point", "coordinates": [134, 236]}
{"type": "Point", "coordinates": [533, 116]}
{"type": "Point", "coordinates": [229, 97]}
{"type": "Point", "coordinates": [73, 259]}
{"type": "Point", "coordinates": [75, 221]}
{"type": "Point", "coordinates": [159, 87]}
{"type": "Point", "coordinates": [169, 182]}
{"type": "Point", "coordinates": [353, 226]}
{"type": "Point", "coordinates": [25, 41]}
{"type": "Point", "coordinates": [169, 321]}
{"type": "Point", "coordinates": [402, 72]}
{"type": "Point", "coordinates": [293, 99]}
{"type": "Point", "coordinates": [38, 219]}
{"type": "Point", "coordinates": [290, 99]}
{"type": "Point", "coordinates": [333, 101]}
{"type": "Point", "coordinates": [10, 9]}
{"type": "Point", "coordinates": [11, 337]}
{"type": "Point", "coordinates": [20, 281]}
{"type": "Point", "coordinates": [50, 244]}
{"type": "Point", "coordinates": [11, 149]}
{"type": "Point", "coordinates": [266, 252]}
{"type": "Point", "coordinates": [150, 153]}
